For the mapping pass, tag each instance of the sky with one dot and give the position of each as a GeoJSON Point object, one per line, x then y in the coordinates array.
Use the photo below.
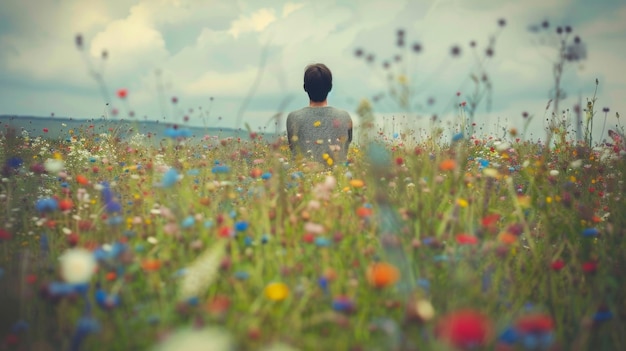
{"type": "Point", "coordinates": [234, 62]}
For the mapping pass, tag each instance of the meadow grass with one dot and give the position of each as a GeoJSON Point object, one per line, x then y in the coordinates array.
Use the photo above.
{"type": "Point", "coordinates": [434, 246]}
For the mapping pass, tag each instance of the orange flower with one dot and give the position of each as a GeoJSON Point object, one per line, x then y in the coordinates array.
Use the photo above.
{"type": "Point", "coordinates": [150, 265]}
{"type": "Point", "coordinates": [507, 238]}
{"type": "Point", "coordinates": [81, 179]}
{"type": "Point", "coordinates": [256, 172]}
{"type": "Point", "coordinates": [357, 183]}
{"type": "Point", "coordinates": [447, 165]}
{"type": "Point", "coordinates": [363, 212]}
{"type": "Point", "coordinates": [382, 274]}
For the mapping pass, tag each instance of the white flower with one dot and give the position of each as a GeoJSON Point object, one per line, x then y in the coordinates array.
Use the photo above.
{"type": "Point", "coordinates": [53, 166]}
{"type": "Point", "coordinates": [554, 172]}
{"type": "Point", "coordinates": [77, 265]}
{"type": "Point", "coordinates": [208, 339]}
{"type": "Point", "coordinates": [576, 164]}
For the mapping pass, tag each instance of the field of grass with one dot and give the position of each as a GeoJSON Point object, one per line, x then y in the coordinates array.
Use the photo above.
{"type": "Point", "coordinates": [471, 244]}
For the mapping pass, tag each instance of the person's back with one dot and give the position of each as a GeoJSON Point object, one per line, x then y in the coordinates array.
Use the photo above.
{"type": "Point", "coordinates": [319, 132]}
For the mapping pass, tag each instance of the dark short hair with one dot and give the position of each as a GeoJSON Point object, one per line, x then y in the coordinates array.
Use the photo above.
{"type": "Point", "coordinates": [318, 81]}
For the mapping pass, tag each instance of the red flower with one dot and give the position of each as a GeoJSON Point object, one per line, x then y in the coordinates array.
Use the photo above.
{"type": "Point", "coordinates": [466, 239]}
{"type": "Point", "coordinates": [535, 323]}
{"type": "Point", "coordinates": [557, 265]}
{"type": "Point", "coordinates": [464, 329]}
{"type": "Point", "coordinates": [4, 234]}
{"type": "Point", "coordinates": [122, 93]}
{"type": "Point", "coordinates": [225, 232]}
{"type": "Point", "coordinates": [66, 204]}
{"type": "Point", "coordinates": [308, 238]}
{"type": "Point", "coordinates": [590, 267]}
{"type": "Point", "coordinates": [399, 161]}
{"type": "Point", "coordinates": [31, 279]}
{"type": "Point", "coordinates": [490, 220]}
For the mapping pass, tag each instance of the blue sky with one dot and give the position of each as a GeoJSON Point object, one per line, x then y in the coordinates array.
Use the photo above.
{"type": "Point", "coordinates": [207, 49]}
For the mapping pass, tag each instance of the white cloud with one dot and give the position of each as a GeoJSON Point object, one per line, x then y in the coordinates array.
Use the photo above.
{"type": "Point", "coordinates": [290, 7]}
{"type": "Point", "coordinates": [255, 22]}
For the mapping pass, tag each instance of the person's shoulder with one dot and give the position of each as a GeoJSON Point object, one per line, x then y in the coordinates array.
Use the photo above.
{"type": "Point", "coordinates": [296, 113]}
{"type": "Point", "coordinates": [340, 112]}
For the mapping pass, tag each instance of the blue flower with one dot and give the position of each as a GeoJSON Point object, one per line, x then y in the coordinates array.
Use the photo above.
{"type": "Point", "coordinates": [509, 336]}
{"type": "Point", "coordinates": [169, 178]}
{"type": "Point", "coordinates": [602, 316]}
{"type": "Point", "coordinates": [343, 304]}
{"type": "Point", "coordinates": [47, 205]}
{"type": "Point", "coordinates": [588, 232]}
{"type": "Point", "coordinates": [106, 301]}
{"type": "Point", "coordinates": [322, 242]}
{"type": "Point", "coordinates": [220, 169]}
{"type": "Point", "coordinates": [457, 137]}
{"type": "Point", "coordinates": [188, 222]}
{"type": "Point", "coordinates": [15, 162]}
{"type": "Point", "coordinates": [108, 197]}
{"type": "Point", "coordinates": [323, 283]}
{"type": "Point", "coordinates": [241, 226]}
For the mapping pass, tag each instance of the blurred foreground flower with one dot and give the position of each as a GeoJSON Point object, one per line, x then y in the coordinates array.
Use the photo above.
{"type": "Point", "coordinates": [77, 265]}
{"type": "Point", "coordinates": [208, 339]}
{"type": "Point", "coordinates": [202, 272]}
{"type": "Point", "coordinates": [464, 329]}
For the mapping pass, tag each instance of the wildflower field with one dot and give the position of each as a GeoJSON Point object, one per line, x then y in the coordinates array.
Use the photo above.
{"type": "Point", "coordinates": [110, 244]}
{"type": "Point", "coordinates": [468, 242]}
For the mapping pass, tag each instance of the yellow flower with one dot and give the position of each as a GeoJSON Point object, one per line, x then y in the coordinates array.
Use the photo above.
{"type": "Point", "coordinates": [462, 202]}
{"type": "Point", "coordinates": [277, 291]}
{"type": "Point", "coordinates": [357, 183]}
{"type": "Point", "coordinates": [317, 124]}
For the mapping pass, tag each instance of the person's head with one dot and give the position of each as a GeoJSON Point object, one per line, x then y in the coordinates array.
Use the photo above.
{"type": "Point", "coordinates": [318, 81]}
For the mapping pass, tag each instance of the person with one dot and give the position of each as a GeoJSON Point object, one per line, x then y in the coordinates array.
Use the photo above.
{"type": "Point", "coordinates": [319, 132]}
